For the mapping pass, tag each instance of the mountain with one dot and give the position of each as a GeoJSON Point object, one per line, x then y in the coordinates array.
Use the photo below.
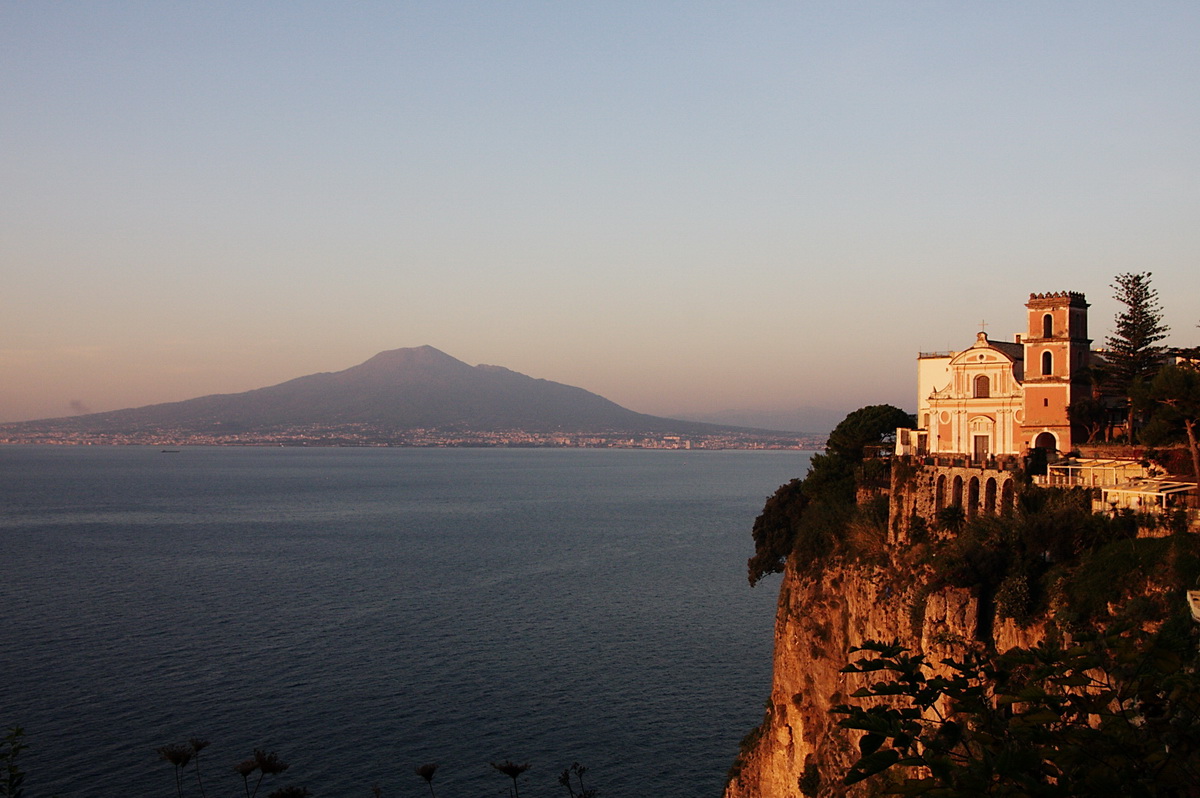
{"type": "Point", "coordinates": [401, 389]}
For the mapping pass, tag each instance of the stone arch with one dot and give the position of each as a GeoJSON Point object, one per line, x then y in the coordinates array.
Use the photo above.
{"type": "Point", "coordinates": [1008, 496]}
{"type": "Point", "coordinates": [956, 491]}
{"type": "Point", "coordinates": [989, 496]}
{"type": "Point", "coordinates": [1047, 441]}
{"type": "Point", "coordinates": [972, 507]}
{"type": "Point", "coordinates": [939, 493]}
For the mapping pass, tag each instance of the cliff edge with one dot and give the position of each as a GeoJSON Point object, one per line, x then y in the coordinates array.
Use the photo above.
{"type": "Point", "coordinates": [1043, 567]}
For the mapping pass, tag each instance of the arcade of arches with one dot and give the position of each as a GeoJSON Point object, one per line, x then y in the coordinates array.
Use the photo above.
{"type": "Point", "coordinates": [978, 491]}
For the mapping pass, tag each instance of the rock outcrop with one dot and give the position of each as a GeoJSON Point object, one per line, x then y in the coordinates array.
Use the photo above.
{"type": "Point", "coordinates": [940, 593]}
{"type": "Point", "coordinates": [818, 621]}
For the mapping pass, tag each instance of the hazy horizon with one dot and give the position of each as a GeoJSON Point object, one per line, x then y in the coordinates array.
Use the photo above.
{"type": "Point", "coordinates": [687, 209]}
{"type": "Point", "coordinates": [797, 419]}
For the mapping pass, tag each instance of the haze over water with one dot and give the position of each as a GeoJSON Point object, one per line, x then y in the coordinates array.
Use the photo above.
{"type": "Point", "coordinates": [363, 611]}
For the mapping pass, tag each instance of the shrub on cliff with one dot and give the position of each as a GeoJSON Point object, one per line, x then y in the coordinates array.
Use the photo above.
{"type": "Point", "coordinates": [774, 530]}
{"type": "Point", "coordinates": [1115, 714]}
{"type": "Point", "coordinates": [808, 516]}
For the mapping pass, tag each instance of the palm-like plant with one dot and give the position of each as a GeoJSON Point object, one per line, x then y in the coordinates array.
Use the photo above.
{"type": "Point", "coordinates": [512, 770]}
{"type": "Point", "coordinates": [178, 756]}
{"type": "Point", "coordinates": [577, 770]}
{"type": "Point", "coordinates": [198, 744]}
{"type": "Point", "coordinates": [267, 764]}
{"type": "Point", "coordinates": [426, 772]}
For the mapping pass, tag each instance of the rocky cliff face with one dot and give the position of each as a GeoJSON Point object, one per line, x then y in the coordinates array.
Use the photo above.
{"type": "Point", "coordinates": [818, 620]}
{"type": "Point", "coordinates": [942, 558]}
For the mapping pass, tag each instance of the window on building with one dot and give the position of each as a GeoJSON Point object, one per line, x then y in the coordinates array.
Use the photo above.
{"type": "Point", "coordinates": [1047, 364]}
{"type": "Point", "coordinates": [983, 387]}
{"type": "Point", "coordinates": [1047, 326]}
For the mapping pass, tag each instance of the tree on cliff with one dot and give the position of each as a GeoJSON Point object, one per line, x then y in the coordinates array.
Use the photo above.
{"type": "Point", "coordinates": [1176, 392]}
{"type": "Point", "coordinates": [1116, 711]}
{"type": "Point", "coordinates": [1134, 352]}
{"type": "Point", "coordinates": [1117, 714]}
{"type": "Point", "coordinates": [808, 513]}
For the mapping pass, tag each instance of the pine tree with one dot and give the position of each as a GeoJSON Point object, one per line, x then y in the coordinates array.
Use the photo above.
{"type": "Point", "coordinates": [1134, 352]}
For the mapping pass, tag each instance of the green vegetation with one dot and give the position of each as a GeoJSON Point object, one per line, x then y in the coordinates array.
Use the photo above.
{"type": "Point", "coordinates": [12, 777]}
{"type": "Point", "coordinates": [514, 772]}
{"type": "Point", "coordinates": [1134, 352]}
{"type": "Point", "coordinates": [1116, 714]}
{"type": "Point", "coordinates": [1052, 557]}
{"type": "Point", "coordinates": [1161, 402]}
{"type": "Point", "coordinates": [577, 770]}
{"type": "Point", "coordinates": [810, 518]}
{"type": "Point", "coordinates": [1174, 394]}
{"type": "Point", "coordinates": [426, 772]}
{"type": "Point", "coordinates": [180, 755]}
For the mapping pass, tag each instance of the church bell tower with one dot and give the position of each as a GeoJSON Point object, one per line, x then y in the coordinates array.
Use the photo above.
{"type": "Point", "coordinates": [1057, 359]}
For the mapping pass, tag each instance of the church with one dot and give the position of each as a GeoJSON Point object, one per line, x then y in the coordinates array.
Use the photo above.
{"type": "Point", "coordinates": [983, 410]}
{"type": "Point", "coordinates": [998, 399]}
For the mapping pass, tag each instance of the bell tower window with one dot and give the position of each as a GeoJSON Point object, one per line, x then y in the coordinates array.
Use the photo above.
{"type": "Point", "coordinates": [1047, 364]}
{"type": "Point", "coordinates": [1047, 326]}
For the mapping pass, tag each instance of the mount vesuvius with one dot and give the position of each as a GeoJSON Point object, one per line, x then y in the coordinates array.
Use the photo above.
{"type": "Point", "coordinates": [397, 390]}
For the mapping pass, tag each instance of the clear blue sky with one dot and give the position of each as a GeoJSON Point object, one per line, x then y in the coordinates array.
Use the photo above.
{"type": "Point", "coordinates": [683, 206]}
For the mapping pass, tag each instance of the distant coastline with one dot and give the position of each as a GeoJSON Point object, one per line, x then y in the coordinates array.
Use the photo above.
{"type": "Point", "coordinates": [413, 397]}
{"type": "Point", "coordinates": [370, 436]}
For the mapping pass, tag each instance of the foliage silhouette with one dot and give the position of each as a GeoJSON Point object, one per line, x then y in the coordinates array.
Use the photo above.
{"type": "Point", "coordinates": [807, 517]}
{"type": "Point", "coordinates": [426, 772]}
{"type": "Point", "coordinates": [1134, 352]}
{"type": "Point", "coordinates": [10, 750]}
{"type": "Point", "coordinates": [1117, 714]}
{"type": "Point", "coordinates": [1175, 392]}
{"type": "Point", "coordinates": [576, 770]}
{"type": "Point", "coordinates": [513, 771]}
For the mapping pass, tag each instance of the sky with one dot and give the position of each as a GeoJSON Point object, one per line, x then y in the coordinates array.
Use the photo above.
{"type": "Point", "coordinates": [686, 207]}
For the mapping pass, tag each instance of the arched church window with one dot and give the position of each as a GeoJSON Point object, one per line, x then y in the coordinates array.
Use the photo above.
{"type": "Point", "coordinates": [1047, 364]}
{"type": "Point", "coordinates": [983, 387]}
{"type": "Point", "coordinates": [1047, 326]}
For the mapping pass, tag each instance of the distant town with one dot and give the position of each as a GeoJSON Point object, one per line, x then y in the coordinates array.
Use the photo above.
{"type": "Point", "coordinates": [375, 435]}
{"type": "Point", "coordinates": [417, 396]}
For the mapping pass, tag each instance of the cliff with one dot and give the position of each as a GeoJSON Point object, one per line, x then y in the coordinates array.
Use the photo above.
{"type": "Point", "coordinates": [1044, 561]}
{"type": "Point", "coordinates": [817, 622]}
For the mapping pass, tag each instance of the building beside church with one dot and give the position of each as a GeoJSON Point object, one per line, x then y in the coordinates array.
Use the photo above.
{"type": "Point", "coordinates": [1002, 398]}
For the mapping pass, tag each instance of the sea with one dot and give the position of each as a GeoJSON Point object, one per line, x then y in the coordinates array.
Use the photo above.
{"type": "Point", "coordinates": [364, 611]}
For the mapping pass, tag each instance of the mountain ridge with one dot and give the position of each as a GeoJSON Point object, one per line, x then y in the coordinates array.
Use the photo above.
{"type": "Point", "coordinates": [397, 389]}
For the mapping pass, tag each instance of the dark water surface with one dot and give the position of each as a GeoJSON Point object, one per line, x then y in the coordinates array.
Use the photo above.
{"type": "Point", "coordinates": [363, 611]}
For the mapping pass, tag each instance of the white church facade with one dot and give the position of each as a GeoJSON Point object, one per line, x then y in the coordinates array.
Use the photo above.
{"type": "Point", "coordinates": [999, 398]}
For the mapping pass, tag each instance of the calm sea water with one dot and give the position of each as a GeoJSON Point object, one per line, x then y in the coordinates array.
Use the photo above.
{"type": "Point", "coordinates": [364, 611]}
